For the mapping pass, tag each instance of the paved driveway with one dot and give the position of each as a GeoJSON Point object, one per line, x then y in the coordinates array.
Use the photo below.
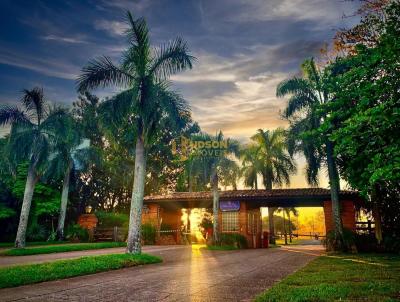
{"type": "Point", "coordinates": [187, 274]}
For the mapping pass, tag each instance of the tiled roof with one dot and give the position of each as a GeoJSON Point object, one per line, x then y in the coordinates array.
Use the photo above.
{"type": "Point", "coordinates": [250, 194]}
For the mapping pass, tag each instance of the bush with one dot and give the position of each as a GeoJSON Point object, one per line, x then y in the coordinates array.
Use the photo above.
{"type": "Point", "coordinates": [110, 220]}
{"type": "Point", "coordinates": [76, 233]}
{"type": "Point", "coordinates": [148, 233]}
{"type": "Point", "coordinates": [391, 244]}
{"type": "Point", "coordinates": [36, 232]}
{"type": "Point", "coordinates": [233, 239]}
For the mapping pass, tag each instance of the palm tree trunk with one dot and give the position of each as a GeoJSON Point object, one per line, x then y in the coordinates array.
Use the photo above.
{"type": "Point", "coordinates": [290, 227]}
{"type": "Point", "coordinates": [214, 184]}
{"type": "Point", "coordinates": [284, 226]}
{"type": "Point", "coordinates": [64, 202]}
{"type": "Point", "coordinates": [335, 188]}
{"type": "Point", "coordinates": [31, 181]}
{"type": "Point", "coordinates": [271, 211]}
{"type": "Point", "coordinates": [271, 225]}
{"type": "Point", "coordinates": [135, 216]}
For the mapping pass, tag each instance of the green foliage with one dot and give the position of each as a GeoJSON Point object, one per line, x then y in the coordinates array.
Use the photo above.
{"type": "Point", "coordinates": [6, 212]}
{"type": "Point", "coordinates": [148, 233]}
{"type": "Point", "coordinates": [366, 118]}
{"type": "Point", "coordinates": [221, 247]}
{"type": "Point", "coordinates": [112, 219]}
{"type": "Point", "coordinates": [36, 232]}
{"type": "Point", "coordinates": [341, 277]}
{"type": "Point", "coordinates": [62, 248]}
{"type": "Point", "coordinates": [75, 233]}
{"type": "Point", "coordinates": [34, 273]}
{"type": "Point", "coordinates": [46, 199]}
{"type": "Point", "coordinates": [233, 240]}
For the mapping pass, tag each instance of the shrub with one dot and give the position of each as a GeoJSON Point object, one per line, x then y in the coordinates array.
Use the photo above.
{"type": "Point", "coordinates": [76, 233]}
{"type": "Point", "coordinates": [148, 233]}
{"type": "Point", "coordinates": [233, 239]}
{"type": "Point", "coordinates": [391, 244]}
{"type": "Point", "coordinates": [110, 220]}
{"type": "Point", "coordinates": [36, 232]}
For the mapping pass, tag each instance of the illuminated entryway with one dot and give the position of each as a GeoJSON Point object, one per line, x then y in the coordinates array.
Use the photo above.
{"type": "Point", "coordinates": [196, 225]}
{"type": "Point", "coordinates": [240, 212]}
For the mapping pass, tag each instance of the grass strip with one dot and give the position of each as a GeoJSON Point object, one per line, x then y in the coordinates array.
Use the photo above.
{"type": "Point", "coordinates": [11, 244]}
{"type": "Point", "coordinates": [221, 247]}
{"type": "Point", "coordinates": [61, 248]}
{"type": "Point", "coordinates": [364, 277]}
{"type": "Point", "coordinates": [33, 273]}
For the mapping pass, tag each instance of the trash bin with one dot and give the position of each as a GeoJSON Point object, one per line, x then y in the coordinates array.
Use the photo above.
{"type": "Point", "coordinates": [265, 239]}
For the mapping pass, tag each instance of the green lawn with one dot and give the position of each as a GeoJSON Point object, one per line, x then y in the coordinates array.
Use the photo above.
{"type": "Point", "coordinates": [11, 244]}
{"type": "Point", "coordinates": [368, 277]}
{"type": "Point", "coordinates": [61, 248]}
{"type": "Point", "coordinates": [221, 247]}
{"type": "Point", "coordinates": [34, 273]}
{"type": "Point", "coordinates": [295, 241]}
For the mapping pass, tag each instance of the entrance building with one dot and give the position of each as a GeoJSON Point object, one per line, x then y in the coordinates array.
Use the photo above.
{"type": "Point", "coordinates": [239, 210]}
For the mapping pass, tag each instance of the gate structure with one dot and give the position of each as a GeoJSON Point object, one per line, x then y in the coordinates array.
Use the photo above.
{"type": "Point", "coordinates": [240, 209]}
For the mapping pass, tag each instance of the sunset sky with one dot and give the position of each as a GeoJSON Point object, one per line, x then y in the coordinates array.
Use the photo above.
{"type": "Point", "coordinates": [244, 49]}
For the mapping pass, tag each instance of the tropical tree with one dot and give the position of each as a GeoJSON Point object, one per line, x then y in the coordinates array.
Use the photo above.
{"type": "Point", "coordinates": [142, 70]}
{"type": "Point", "coordinates": [308, 93]}
{"type": "Point", "coordinates": [288, 211]}
{"type": "Point", "coordinates": [364, 110]}
{"type": "Point", "coordinates": [276, 165]}
{"type": "Point", "coordinates": [71, 153]}
{"type": "Point", "coordinates": [251, 166]}
{"type": "Point", "coordinates": [31, 139]}
{"type": "Point", "coordinates": [213, 167]}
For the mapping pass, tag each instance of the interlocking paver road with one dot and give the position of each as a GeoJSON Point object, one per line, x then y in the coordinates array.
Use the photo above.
{"type": "Point", "coordinates": [186, 274]}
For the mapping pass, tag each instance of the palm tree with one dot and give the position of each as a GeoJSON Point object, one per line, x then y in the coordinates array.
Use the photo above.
{"type": "Point", "coordinates": [287, 211]}
{"type": "Point", "coordinates": [307, 94]}
{"type": "Point", "coordinates": [213, 167]}
{"type": "Point", "coordinates": [276, 164]}
{"type": "Point", "coordinates": [251, 166]}
{"type": "Point", "coordinates": [31, 139]}
{"type": "Point", "coordinates": [71, 153]}
{"type": "Point", "coordinates": [143, 70]}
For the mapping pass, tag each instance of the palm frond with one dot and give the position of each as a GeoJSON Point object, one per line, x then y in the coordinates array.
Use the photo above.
{"type": "Point", "coordinates": [294, 86]}
{"type": "Point", "coordinates": [12, 115]}
{"type": "Point", "coordinates": [137, 33]}
{"type": "Point", "coordinates": [171, 58]}
{"type": "Point", "coordinates": [102, 72]}
{"type": "Point", "coordinates": [34, 100]}
{"type": "Point", "coordinates": [296, 103]}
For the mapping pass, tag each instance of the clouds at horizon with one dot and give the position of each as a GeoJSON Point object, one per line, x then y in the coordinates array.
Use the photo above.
{"type": "Point", "coordinates": [244, 49]}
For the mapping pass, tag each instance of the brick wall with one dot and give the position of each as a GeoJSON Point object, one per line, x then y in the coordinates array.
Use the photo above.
{"type": "Point", "coordinates": [348, 215]}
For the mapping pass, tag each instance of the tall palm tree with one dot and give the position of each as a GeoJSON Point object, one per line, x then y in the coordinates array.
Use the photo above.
{"type": "Point", "coordinates": [251, 166]}
{"type": "Point", "coordinates": [213, 167]}
{"type": "Point", "coordinates": [288, 211]}
{"type": "Point", "coordinates": [307, 94]}
{"type": "Point", "coordinates": [71, 152]}
{"type": "Point", "coordinates": [276, 164]}
{"type": "Point", "coordinates": [142, 71]}
{"type": "Point", "coordinates": [31, 139]}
